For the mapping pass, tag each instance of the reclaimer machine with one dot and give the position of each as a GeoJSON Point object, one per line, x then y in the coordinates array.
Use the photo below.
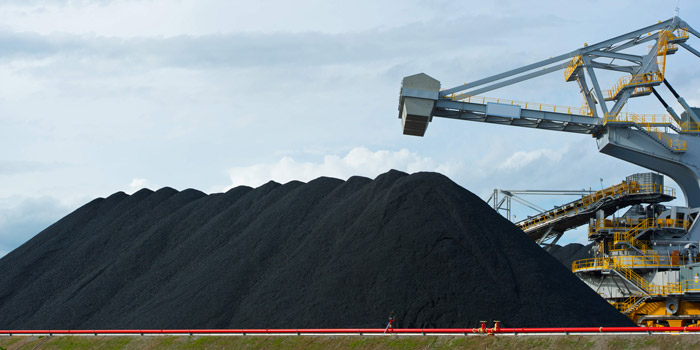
{"type": "Point", "coordinates": [646, 261]}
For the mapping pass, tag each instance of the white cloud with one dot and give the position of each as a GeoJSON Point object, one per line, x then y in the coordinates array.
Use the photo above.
{"type": "Point", "coordinates": [521, 159]}
{"type": "Point", "coordinates": [136, 184]}
{"type": "Point", "coordinates": [359, 161]}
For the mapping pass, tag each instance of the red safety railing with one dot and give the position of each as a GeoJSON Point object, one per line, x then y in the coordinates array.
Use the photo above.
{"type": "Point", "coordinates": [359, 331]}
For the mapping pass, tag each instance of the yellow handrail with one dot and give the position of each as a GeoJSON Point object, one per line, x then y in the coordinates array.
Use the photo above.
{"type": "Point", "coordinates": [625, 305]}
{"type": "Point", "coordinates": [648, 119]}
{"type": "Point", "coordinates": [630, 262]}
{"type": "Point", "coordinates": [662, 49]}
{"type": "Point", "coordinates": [676, 145]}
{"type": "Point", "coordinates": [636, 118]}
{"type": "Point", "coordinates": [690, 126]}
{"type": "Point", "coordinates": [670, 47]}
{"type": "Point", "coordinates": [642, 90]}
{"type": "Point", "coordinates": [649, 123]}
{"type": "Point", "coordinates": [573, 64]}
{"type": "Point", "coordinates": [628, 224]}
{"type": "Point", "coordinates": [631, 80]}
{"type": "Point", "coordinates": [680, 33]}
{"type": "Point", "coordinates": [625, 264]}
{"type": "Point", "coordinates": [635, 278]}
{"type": "Point", "coordinates": [665, 289]}
{"type": "Point", "coordinates": [629, 237]}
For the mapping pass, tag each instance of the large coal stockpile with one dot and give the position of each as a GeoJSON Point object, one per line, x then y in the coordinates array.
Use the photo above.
{"type": "Point", "coordinates": [328, 253]}
{"type": "Point", "coordinates": [571, 252]}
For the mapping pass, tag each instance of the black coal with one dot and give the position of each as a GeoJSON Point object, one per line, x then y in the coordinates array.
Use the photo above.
{"type": "Point", "coordinates": [328, 253]}
{"type": "Point", "coordinates": [571, 252]}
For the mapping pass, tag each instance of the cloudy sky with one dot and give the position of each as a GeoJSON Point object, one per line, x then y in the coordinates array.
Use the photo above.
{"type": "Point", "coordinates": [99, 96]}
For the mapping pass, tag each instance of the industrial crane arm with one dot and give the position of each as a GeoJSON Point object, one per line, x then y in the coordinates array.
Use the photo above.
{"type": "Point", "coordinates": [422, 99]}
{"type": "Point", "coordinates": [645, 140]}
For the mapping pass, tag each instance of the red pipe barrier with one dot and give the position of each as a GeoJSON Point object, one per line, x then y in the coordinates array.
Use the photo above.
{"type": "Point", "coordinates": [359, 331]}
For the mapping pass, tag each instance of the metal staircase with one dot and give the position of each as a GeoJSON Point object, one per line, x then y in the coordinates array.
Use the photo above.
{"type": "Point", "coordinates": [631, 304]}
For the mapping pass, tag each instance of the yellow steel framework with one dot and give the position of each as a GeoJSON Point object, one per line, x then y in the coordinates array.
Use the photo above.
{"type": "Point", "coordinates": [650, 123]}
{"type": "Point", "coordinates": [651, 261]}
{"type": "Point", "coordinates": [643, 79]}
{"type": "Point", "coordinates": [665, 46]}
{"type": "Point", "coordinates": [649, 313]}
{"type": "Point", "coordinates": [634, 305]}
{"type": "Point", "coordinates": [626, 231]}
{"type": "Point", "coordinates": [649, 120]}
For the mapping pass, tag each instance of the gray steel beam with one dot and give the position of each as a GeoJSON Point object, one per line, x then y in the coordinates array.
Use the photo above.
{"type": "Point", "coordinates": [524, 113]}
{"type": "Point", "coordinates": [630, 35]}
{"type": "Point", "coordinates": [596, 86]}
{"type": "Point", "coordinates": [545, 235]}
{"type": "Point", "coordinates": [495, 193]}
{"type": "Point", "coordinates": [681, 100]}
{"type": "Point", "coordinates": [554, 242]}
{"type": "Point", "coordinates": [526, 123]}
{"type": "Point", "coordinates": [683, 24]}
{"type": "Point", "coordinates": [669, 109]}
{"type": "Point", "coordinates": [688, 109]}
{"type": "Point", "coordinates": [621, 101]}
{"type": "Point", "coordinates": [624, 69]}
{"type": "Point", "coordinates": [551, 192]}
{"type": "Point", "coordinates": [690, 48]}
{"type": "Point", "coordinates": [501, 203]}
{"type": "Point", "coordinates": [529, 118]}
{"type": "Point", "coordinates": [617, 55]}
{"type": "Point", "coordinates": [527, 203]}
{"type": "Point", "coordinates": [648, 60]}
{"type": "Point", "coordinates": [587, 94]}
{"type": "Point", "coordinates": [512, 81]}
{"type": "Point", "coordinates": [634, 42]}
{"type": "Point", "coordinates": [509, 73]}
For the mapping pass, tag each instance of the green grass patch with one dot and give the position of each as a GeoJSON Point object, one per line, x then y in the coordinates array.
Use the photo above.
{"type": "Point", "coordinates": [86, 343]}
{"type": "Point", "coordinates": [350, 342]}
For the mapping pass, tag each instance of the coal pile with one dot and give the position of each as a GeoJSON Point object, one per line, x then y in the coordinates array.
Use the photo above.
{"type": "Point", "coordinates": [571, 252]}
{"type": "Point", "coordinates": [328, 253]}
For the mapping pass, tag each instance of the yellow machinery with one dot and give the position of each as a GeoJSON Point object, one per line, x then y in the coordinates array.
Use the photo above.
{"type": "Point", "coordinates": [643, 262]}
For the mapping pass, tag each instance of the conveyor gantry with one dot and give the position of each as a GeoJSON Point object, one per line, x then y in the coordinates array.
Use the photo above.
{"type": "Point", "coordinates": [548, 226]}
